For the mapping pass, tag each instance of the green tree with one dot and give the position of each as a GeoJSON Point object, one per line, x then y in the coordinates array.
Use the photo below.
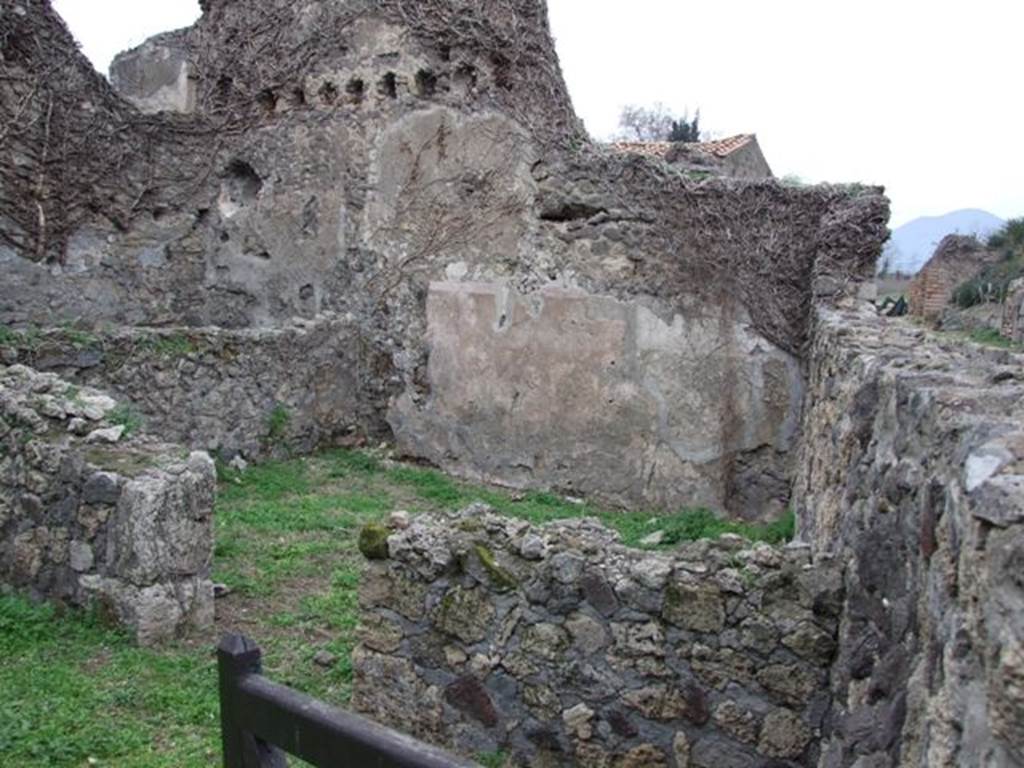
{"type": "Point", "coordinates": [685, 130]}
{"type": "Point", "coordinates": [657, 123]}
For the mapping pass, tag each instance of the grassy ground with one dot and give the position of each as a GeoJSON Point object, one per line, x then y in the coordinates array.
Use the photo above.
{"type": "Point", "coordinates": [987, 337]}
{"type": "Point", "coordinates": [78, 693]}
{"type": "Point", "coordinates": [992, 338]}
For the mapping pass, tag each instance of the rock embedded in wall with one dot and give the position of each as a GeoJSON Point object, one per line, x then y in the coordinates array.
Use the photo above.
{"type": "Point", "coordinates": [585, 652]}
{"type": "Point", "coordinates": [119, 520]}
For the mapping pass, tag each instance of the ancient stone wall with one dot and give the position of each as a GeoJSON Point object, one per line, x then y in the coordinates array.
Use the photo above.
{"type": "Point", "coordinates": [559, 646]}
{"type": "Point", "coordinates": [89, 514]}
{"type": "Point", "coordinates": [397, 145]}
{"type": "Point", "coordinates": [912, 473]}
{"type": "Point", "coordinates": [255, 393]}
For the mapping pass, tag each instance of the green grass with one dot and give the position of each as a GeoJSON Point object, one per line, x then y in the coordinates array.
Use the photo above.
{"type": "Point", "coordinates": [77, 337]}
{"type": "Point", "coordinates": [540, 507]}
{"type": "Point", "coordinates": [8, 337]}
{"type": "Point", "coordinates": [277, 422]}
{"type": "Point", "coordinates": [992, 338]}
{"type": "Point", "coordinates": [988, 337]}
{"type": "Point", "coordinates": [126, 416]}
{"type": "Point", "coordinates": [492, 759]}
{"type": "Point", "coordinates": [29, 337]}
{"type": "Point", "coordinates": [286, 545]}
{"type": "Point", "coordinates": [173, 346]}
{"type": "Point", "coordinates": [75, 691]}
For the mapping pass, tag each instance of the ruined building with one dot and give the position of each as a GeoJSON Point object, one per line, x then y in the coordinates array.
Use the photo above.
{"type": "Point", "coordinates": [956, 259]}
{"type": "Point", "coordinates": [738, 157]}
{"type": "Point", "coordinates": [382, 219]}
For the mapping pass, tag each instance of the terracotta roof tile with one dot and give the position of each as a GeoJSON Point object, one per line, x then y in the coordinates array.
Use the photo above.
{"type": "Point", "coordinates": [718, 147]}
{"type": "Point", "coordinates": [648, 148]}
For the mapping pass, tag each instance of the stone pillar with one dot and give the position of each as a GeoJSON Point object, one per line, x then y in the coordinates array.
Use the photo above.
{"type": "Point", "coordinates": [1013, 311]}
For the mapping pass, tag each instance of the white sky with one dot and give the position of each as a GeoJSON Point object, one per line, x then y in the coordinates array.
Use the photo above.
{"type": "Point", "coordinates": [920, 95]}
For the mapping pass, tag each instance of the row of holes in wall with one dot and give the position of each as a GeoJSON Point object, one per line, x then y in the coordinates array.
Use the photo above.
{"type": "Point", "coordinates": [425, 87]}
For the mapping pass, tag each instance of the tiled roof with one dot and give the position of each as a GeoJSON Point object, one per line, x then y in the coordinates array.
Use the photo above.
{"type": "Point", "coordinates": [718, 147]}
{"type": "Point", "coordinates": [649, 148]}
{"type": "Point", "coordinates": [724, 147]}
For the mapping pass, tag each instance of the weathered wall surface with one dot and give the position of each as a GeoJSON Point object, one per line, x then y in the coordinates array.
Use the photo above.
{"type": "Point", "coordinates": [89, 515]}
{"type": "Point", "coordinates": [912, 472]}
{"type": "Point", "coordinates": [748, 162]}
{"type": "Point", "coordinates": [397, 145]}
{"type": "Point", "coordinates": [562, 647]}
{"type": "Point", "coordinates": [605, 398]}
{"type": "Point", "coordinates": [157, 76]}
{"type": "Point", "coordinates": [256, 393]}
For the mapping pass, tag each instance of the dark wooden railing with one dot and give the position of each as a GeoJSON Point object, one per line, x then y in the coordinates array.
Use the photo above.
{"type": "Point", "coordinates": [260, 721]}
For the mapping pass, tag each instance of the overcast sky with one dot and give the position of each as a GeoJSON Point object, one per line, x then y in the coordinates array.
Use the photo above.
{"type": "Point", "coordinates": [920, 95]}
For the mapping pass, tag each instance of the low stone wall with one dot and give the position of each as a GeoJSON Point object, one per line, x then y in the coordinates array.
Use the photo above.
{"type": "Point", "coordinates": [559, 646]}
{"type": "Point", "coordinates": [255, 393]}
{"type": "Point", "coordinates": [90, 515]}
{"type": "Point", "coordinates": [912, 473]}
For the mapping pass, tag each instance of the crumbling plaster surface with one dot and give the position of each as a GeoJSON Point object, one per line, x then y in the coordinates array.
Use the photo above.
{"type": "Point", "coordinates": [452, 187]}
{"type": "Point", "coordinates": [602, 397]}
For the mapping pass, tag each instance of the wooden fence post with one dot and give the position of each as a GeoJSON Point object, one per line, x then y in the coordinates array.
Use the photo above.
{"type": "Point", "coordinates": [237, 657]}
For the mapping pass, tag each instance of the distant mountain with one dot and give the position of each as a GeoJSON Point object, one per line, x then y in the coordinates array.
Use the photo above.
{"type": "Point", "coordinates": [913, 244]}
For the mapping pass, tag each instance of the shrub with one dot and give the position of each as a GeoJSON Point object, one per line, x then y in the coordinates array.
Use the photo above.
{"type": "Point", "coordinates": [992, 281]}
{"type": "Point", "coordinates": [277, 422]}
{"type": "Point", "coordinates": [173, 346]}
{"type": "Point", "coordinates": [126, 416]}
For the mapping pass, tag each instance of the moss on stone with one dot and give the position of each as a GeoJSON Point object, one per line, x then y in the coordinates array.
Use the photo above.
{"type": "Point", "coordinates": [373, 541]}
{"type": "Point", "coordinates": [122, 461]}
{"type": "Point", "coordinates": [673, 602]}
{"type": "Point", "coordinates": [501, 579]}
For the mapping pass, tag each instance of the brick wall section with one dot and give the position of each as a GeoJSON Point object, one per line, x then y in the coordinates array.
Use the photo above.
{"type": "Point", "coordinates": [931, 290]}
{"type": "Point", "coordinates": [956, 260]}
